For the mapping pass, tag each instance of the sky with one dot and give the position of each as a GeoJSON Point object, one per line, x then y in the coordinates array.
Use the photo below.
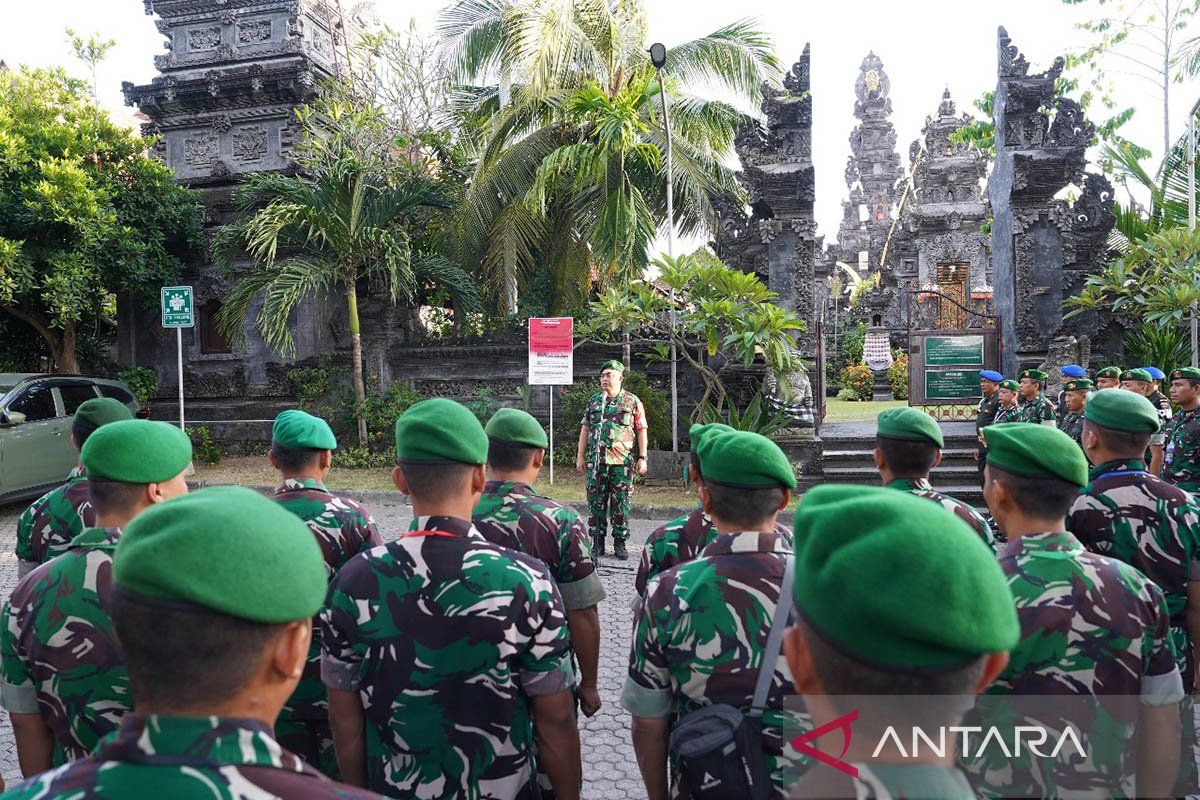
{"type": "Point", "coordinates": [925, 46]}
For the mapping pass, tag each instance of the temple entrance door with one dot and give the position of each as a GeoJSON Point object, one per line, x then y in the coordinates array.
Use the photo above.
{"type": "Point", "coordinates": [952, 282]}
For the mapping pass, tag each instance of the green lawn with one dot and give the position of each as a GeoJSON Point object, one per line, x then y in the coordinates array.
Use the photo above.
{"type": "Point", "coordinates": [850, 411]}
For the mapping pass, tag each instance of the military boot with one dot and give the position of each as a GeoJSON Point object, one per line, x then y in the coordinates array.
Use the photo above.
{"type": "Point", "coordinates": [598, 544]}
{"type": "Point", "coordinates": [619, 550]}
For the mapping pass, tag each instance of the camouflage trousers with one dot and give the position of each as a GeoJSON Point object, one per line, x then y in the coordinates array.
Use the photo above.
{"type": "Point", "coordinates": [609, 497]}
{"type": "Point", "coordinates": [311, 739]}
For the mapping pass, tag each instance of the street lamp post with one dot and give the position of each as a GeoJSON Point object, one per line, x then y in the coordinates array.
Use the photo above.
{"type": "Point", "coordinates": [658, 57]}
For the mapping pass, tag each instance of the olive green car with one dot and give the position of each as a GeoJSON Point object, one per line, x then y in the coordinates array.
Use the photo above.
{"type": "Point", "coordinates": [36, 412]}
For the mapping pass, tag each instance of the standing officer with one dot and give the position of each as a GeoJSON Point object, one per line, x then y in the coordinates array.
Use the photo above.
{"type": "Point", "coordinates": [1163, 406]}
{"type": "Point", "coordinates": [989, 405]}
{"type": "Point", "coordinates": [64, 681]}
{"type": "Point", "coordinates": [1139, 381]}
{"type": "Point", "coordinates": [1069, 373]}
{"type": "Point", "coordinates": [699, 609]}
{"type": "Point", "coordinates": [1182, 459]}
{"type": "Point", "coordinates": [864, 627]}
{"type": "Point", "coordinates": [612, 446]}
{"type": "Point", "coordinates": [1107, 378]}
{"type": "Point", "coordinates": [1035, 406]}
{"type": "Point", "coordinates": [1074, 399]}
{"type": "Point", "coordinates": [302, 451]}
{"type": "Point", "coordinates": [1157, 376]}
{"type": "Point", "coordinates": [1010, 407]}
{"type": "Point", "coordinates": [511, 514]}
{"type": "Point", "coordinates": [46, 528]}
{"type": "Point", "coordinates": [1092, 628]}
{"type": "Point", "coordinates": [440, 647]}
{"type": "Point", "coordinates": [213, 596]}
{"type": "Point", "coordinates": [908, 445]}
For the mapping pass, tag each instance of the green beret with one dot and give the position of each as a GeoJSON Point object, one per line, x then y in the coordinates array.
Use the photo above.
{"type": "Point", "coordinates": [1030, 450]}
{"type": "Point", "coordinates": [1078, 384]}
{"type": "Point", "coordinates": [745, 459]}
{"type": "Point", "coordinates": [698, 432]}
{"type": "Point", "coordinates": [440, 430]}
{"type": "Point", "coordinates": [1122, 411]}
{"type": "Point", "coordinates": [1186, 374]}
{"type": "Point", "coordinates": [225, 548]}
{"type": "Point", "coordinates": [1108, 372]}
{"type": "Point", "coordinates": [1034, 374]}
{"type": "Point", "coordinates": [614, 365]}
{"type": "Point", "coordinates": [136, 451]}
{"type": "Point", "coordinates": [1010, 384]}
{"type": "Point", "coordinates": [294, 428]}
{"type": "Point", "coordinates": [513, 426]}
{"type": "Point", "coordinates": [101, 411]}
{"type": "Point", "coordinates": [848, 541]}
{"type": "Point", "coordinates": [1136, 375]}
{"type": "Point", "coordinates": [909, 423]}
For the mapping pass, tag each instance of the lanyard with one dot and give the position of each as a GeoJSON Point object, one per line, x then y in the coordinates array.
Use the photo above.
{"type": "Point", "coordinates": [423, 534]}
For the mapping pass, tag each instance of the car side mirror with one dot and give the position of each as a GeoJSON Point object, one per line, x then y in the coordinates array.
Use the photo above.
{"type": "Point", "coordinates": [10, 418]}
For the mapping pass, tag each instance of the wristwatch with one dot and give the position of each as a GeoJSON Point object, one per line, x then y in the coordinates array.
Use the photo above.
{"type": "Point", "coordinates": [640, 458]}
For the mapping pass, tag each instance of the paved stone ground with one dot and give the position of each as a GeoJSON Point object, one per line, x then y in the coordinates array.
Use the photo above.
{"type": "Point", "coordinates": [609, 767]}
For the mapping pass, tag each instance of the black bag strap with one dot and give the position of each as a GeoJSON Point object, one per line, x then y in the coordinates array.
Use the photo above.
{"type": "Point", "coordinates": [766, 670]}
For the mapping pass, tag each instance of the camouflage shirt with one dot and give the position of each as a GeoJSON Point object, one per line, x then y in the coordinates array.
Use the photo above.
{"type": "Point", "coordinates": [678, 541]}
{"type": "Point", "coordinates": [1182, 462]}
{"type": "Point", "coordinates": [343, 529]}
{"type": "Point", "coordinates": [1072, 425]}
{"type": "Point", "coordinates": [1037, 411]}
{"type": "Point", "coordinates": [613, 423]}
{"type": "Point", "coordinates": [922, 488]}
{"type": "Point", "coordinates": [1009, 414]}
{"type": "Point", "coordinates": [720, 602]}
{"type": "Point", "coordinates": [1163, 405]}
{"type": "Point", "coordinates": [446, 636]}
{"type": "Point", "coordinates": [58, 655]}
{"type": "Point", "coordinates": [511, 515]}
{"type": "Point", "coordinates": [186, 758]}
{"type": "Point", "coordinates": [1129, 515]}
{"type": "Point", "coordinates": [46, 528]}
{"type": "Point", "coordinates": [1094, 630]}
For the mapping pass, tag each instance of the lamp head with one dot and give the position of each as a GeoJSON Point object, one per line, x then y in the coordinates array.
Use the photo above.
{"type": "Point", "coordinates": [658, 55]}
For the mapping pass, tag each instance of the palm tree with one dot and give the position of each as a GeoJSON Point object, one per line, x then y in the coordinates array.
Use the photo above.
{"type": "Point", "coordinates": [1167, 188]}
{"type": "Point", "coordinates": [346, 217]}
{"type": "Point", "coordinates": [569, 172]}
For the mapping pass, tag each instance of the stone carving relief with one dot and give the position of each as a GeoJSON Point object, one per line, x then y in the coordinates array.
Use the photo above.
{"type": "Point", "coordinates": [200, 149]}
{"type": "Point", "coordinates": [255, 31]}
{"type": "Point", "coordinates": [200, 40]}
{"type": "Point", "coordinates": [249, 143]}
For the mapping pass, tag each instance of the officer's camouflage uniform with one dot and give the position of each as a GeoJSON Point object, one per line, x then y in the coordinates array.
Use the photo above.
{"type": "Point", "coordinates": [1072, 425]}
{"type": "Point", "coordinates": [1181, 465]}
{"type": "Point", "coordinates": [1009, 414]}
{"type": "Point", "coordinates": [612, 425]}
{"type": "Point", "coordinates": [1127, 514]}
{"type": "Point", "coordinates": [58, 655]}
{"type": "Point", "coordinates": [46, 528]}
{"type": "Point", "coordinates": [678, 541]}
{"type": "Point", "coordinates": [1094, 630]}
{"type": "Point", "coordinates": [343, 529]}
{"type": "Point", "coordinates": [445, 636]}
{"type": "Point", "coordinates": [922, 488]}
{"type": "Point", "coordinates": [1036, 411]}
{"type": "Point", "coordinates": [187, 757]}
{"type": "Point", "coordinates": [718, 603]}
{"type": "Point", "coordinates": [512, 515]}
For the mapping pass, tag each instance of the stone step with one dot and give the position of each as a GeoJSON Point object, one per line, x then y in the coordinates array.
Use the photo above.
{"type": "Point", "coordinates": [857, 473]}
{"type": "Point", "coordinates": [959, 456]}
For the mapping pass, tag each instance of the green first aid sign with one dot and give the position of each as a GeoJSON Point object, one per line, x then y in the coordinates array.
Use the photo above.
{"type": "Point", "coordinates": [178, 308]}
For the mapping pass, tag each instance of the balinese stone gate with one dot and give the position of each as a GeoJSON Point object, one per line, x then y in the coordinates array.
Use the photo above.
{"type": "Point", "coordinates": [1044, 248]}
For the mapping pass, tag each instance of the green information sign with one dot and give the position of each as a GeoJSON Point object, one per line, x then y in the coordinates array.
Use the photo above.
{"type": "Point", "coordinates": [964, 351]}
{"type": "Point", "coordinates": [952, 384]}
{"type": "Point", "coordinates": [178, 310]}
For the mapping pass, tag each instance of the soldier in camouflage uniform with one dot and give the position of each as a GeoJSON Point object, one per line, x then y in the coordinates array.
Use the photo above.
{"type": "Point", "coordinates": [302, 450]}
{"type": "Point", "coordinates": [1093, 630]}
{"type": "Point", "coordinates": [985, 414]}
{"type": "Point", "coordinates": [908, 445]}
{"type": "Point", "coordinates": [440, 649]}
{"type": "Point", "coordinates": [1140, 382]}
{"type": "Point", "coordinates": [864, 627]}
{"type": "Point", "coordinates": [612, 447]}
{"type": "Point", "coordinates": [1010, 407]}
{"type": "Point", "coordinates": [46, 528]}
{"type": "Point", "coordinates": [1181, 464]}
{"type": "Point", "coordinates": [1070, 372]}
{"type": "Point", "coordinates": [702, 607]}
{"type": "Point", "coordinates": [1074, 401]}
{"type": "Point", "coordinates": [213, 595]}
{"type": "Point", "coordinates": [1036, 408]}
{"type": "Point", "coordinates": [1107, 378]}
{"type": "Point", "coordinates": [62, 678]}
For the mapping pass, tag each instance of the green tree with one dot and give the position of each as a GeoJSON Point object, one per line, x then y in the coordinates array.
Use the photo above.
{"type": "Point", "coordinates": [354, 211]}
{"type": "Point", "coordinates": [561, 102]}
{"type": "Point", "coordinates": [85, 212]}
{"type": "Point", "coordinates": [91, 51]}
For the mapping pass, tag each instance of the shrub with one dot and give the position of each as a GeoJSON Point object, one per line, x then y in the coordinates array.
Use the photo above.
{"type": "Point", "coordinates": [143, 382]}
{"type": "Point", "coordinates": [571, 402]}
{"type": "Point", "coordinates": [204, 449]}
{"type": "Point", "coordinates": [857, 381]}
{"type": "Point", "coordinates": [898, 374]}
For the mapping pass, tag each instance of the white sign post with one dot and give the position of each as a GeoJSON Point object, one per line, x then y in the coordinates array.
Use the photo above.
{"type": "Point", "coordinates": [178, 312]}
{"type": "Point", "coordinates": [551, 360]}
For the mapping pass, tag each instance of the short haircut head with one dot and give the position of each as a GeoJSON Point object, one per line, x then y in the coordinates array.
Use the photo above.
{"type": "Point", "coordinates": [508, 457]}
{"type": "Point", "coordinates": [186, 657]}
{"type": "Point", "coordinates": [1125, 444]}
{"type": "Point", "coordinates": [295, 459]}
{"type": "Point", "coordinates": [114, 497]}
{"type": "Point", "coordinates": [1041, 496]}
{"type": "Point", "coordinates": [907, 458]}
{"type": "Point", "coordinates": [81, 429]}
{"type": "Point", "coordinates": [435, 482]}
{"type": "Point", "coordinates": [745, 507]}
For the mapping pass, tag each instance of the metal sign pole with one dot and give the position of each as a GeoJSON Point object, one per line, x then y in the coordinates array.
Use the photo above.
{"type": "Point", "coordinates": [179, 363]}
{"type": "Point", "coordinates": [551, 435]}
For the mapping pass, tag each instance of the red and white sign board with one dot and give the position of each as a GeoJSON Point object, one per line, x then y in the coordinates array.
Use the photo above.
{"type": "Point", "coordinates": [551, 351]}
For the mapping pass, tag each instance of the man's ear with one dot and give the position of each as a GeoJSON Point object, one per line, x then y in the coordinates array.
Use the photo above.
{"type": "Point", "coordinates": [937, 459]}
{"type": "Point", "coordinates": [880, 461]}
{"type": "Point", "coordinates": [271, 458]}
{"type": "Point", "coordinates": [398, 479]}
{"type": "Point", "coordinates": [996, 662]}
{"type": "Point", "coordinates": [539, 458]}
{"type": "Point", "coordinates": [787, 498]}
{"type": "Point", "coordinates": [290, 649]}
{"type": "Point", "coordinates": [326, 461]}
{"type": "Point", "coordinates": [478, 479]}
{"type": "Point", "coordinates": [799, 660]}
{"type": "Point", "coordinates": [704, 497]}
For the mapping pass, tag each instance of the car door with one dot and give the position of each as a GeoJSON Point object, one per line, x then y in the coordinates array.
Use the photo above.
{"type": "Point", "coordinates": [71, 394]}
{"type": "Point", "coordinates": [34, 450]}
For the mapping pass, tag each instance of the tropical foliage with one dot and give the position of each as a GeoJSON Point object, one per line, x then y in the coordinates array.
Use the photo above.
{"type": "Point", "coordinates": [756, 417]}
